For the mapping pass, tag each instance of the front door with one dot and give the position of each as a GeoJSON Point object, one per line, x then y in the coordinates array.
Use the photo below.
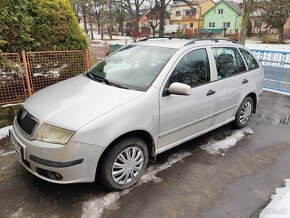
{"type": "Point", "coordinates": [182, 116]}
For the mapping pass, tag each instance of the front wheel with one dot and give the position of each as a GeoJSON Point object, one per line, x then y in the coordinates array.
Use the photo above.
{"type": "Point", "coordinates": [244, 113]}
{"type": "Point", "coordinates": [124, 164]}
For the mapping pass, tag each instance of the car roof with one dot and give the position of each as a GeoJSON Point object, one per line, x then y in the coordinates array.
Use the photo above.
{"type": "Point", "coordinates": [177, 43]}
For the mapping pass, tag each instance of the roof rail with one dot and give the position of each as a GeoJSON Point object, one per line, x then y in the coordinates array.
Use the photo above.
{"type": "Point", "coordinates": [210, 39]}
{"type": "Point", "coordinates": [164, 37]}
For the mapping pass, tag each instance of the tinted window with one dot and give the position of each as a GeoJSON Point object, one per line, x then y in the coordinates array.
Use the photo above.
{"type": "Point", "coordinates": [251, 62]}
{"type": "Point", "coordinates": [193, 69]}
{"type": "Point", "coordinates": [228, 62]}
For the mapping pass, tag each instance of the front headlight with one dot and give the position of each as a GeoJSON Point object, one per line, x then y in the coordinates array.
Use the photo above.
{"type": "Point", "coordinates": [52, 134]}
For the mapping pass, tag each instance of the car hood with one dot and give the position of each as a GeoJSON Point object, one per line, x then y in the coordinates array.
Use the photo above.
{"type": "Point", "coordinates": [74, 102]}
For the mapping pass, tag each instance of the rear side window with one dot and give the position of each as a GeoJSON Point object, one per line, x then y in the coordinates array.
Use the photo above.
{"type": "Point", "coordinates": [251, 61]}
{"type": "Point", "coordinates": [228, 62]}
{"type": "Point", "coordinates": [193, 69]}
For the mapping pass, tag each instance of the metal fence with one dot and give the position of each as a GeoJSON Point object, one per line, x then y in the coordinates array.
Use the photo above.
{"type": "Point", "coordinates": [12, 86]}
{"type": "Point", "coordinates": [277, 69]}
{"type": "Point", "coordinates": [21, 76]}
{"type": "Point", "coordinates": [47, 68]}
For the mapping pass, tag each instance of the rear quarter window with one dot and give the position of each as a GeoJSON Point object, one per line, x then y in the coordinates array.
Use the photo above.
{"type": "Point", "coordinates": [250, 60]}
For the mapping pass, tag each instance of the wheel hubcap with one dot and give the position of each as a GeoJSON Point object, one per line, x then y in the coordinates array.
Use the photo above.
{"type": "Point", "coordinates": [127, 165]}
{"type": "Point", "coordinates": [246, 112]}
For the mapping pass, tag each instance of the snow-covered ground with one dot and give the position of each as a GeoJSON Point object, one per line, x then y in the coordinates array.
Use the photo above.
{"type": "Point", "coordinates": [263, 46]}
{"type": "Point", "coordinates": [95, 206]}
{"type": "Point", "coordinates": [279, 207]}
{"type": "Point", "coordinates": [4, 131]}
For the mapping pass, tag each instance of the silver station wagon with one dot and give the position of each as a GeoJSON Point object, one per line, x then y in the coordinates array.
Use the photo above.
{"type": "Point", "coordinates": [140, 101]}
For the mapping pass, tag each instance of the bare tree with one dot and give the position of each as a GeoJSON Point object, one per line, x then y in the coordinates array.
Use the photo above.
{"type": "Point", "coordinates": [276, 13]}
{"type": "Point", "coordinates": [248, 7]}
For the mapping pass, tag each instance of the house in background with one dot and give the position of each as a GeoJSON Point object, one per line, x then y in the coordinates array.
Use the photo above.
{"type": "Point", "coordinates": [224, 17]}
{"type": "Point", "coordinates": [259, 26]}
{"type": "Point", "coordinates": [189, 18]}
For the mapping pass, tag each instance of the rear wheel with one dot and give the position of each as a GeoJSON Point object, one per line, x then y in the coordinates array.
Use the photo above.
{"type": "Point", "coordinates": [244, 113]}
{"type": "Point", "coordinates": [124, 164]}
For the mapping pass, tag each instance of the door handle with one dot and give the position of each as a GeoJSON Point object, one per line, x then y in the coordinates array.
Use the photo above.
{"type": "Point", "coordinates": [245, 81]}
{"type": "Point", "coordinates": [210, 92]}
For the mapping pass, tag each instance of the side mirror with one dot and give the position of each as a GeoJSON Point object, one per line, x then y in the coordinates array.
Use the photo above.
{"type": "Point", "coordinates": [179, 89]}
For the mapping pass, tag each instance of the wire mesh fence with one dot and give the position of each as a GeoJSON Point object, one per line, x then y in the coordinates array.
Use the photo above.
{"type": "Point", "coordinates": [12, 86]}
{"type": "Point", "coordinates": [98, 52]}
{"type": "Point", "coordinates": [47, 68]}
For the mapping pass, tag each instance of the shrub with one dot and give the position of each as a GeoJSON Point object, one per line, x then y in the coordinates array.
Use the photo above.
{"type": "Point", "coordinates": [272, 39]}
{"type": "Point", "coordinates": [39, 25]}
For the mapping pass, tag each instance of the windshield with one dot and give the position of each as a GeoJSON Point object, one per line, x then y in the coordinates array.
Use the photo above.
{"type": "Point", "coordinates": [132, 67]}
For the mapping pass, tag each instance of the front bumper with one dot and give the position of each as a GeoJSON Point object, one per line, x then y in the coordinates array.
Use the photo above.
{"type": "Point", "coordinates": [73, 162]}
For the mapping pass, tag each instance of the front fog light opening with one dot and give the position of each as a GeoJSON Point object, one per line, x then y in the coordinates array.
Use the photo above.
{"type": "Point", "coordinates": [49, 174]}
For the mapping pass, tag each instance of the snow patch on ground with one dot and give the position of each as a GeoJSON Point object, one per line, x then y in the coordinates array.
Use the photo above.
{"type": "Point", "coordinates": [95, 207]}
{"type": "Point", "coordinates": [4, 131]}
{"type": "Point", "coordinates": [7, 153]}
{"type": "Point", "coordinates": [279, 206]}
{"type": "Point", "coordinates": [219, 147]}
{"type": "Point", "coordinates": [8, 105]}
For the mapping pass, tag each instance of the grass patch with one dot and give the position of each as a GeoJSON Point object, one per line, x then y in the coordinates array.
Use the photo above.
{"type": "Point", "coordinates": [7, 115]}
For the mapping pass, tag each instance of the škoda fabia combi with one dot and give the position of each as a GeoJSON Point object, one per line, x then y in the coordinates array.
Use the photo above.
{"type": "Point", "coordinates": [140, 101]}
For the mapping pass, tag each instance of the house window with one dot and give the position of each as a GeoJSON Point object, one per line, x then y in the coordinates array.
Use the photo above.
{"type": "Point", "coordinates": [211, 24]}
{"type": "Point", "coordinates": [226, 24]}
{"type": "Point", "coordinates": [190, 12]}
{"type": "Point", "coordinates": [178, 13]}
{"type": "Point", "coordinates": [221, 11]}
{"type": "Point", "coordinates": [191, 25]}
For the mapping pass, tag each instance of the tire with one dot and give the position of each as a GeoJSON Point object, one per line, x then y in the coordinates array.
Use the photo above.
{"type": "Point", "coordinates": [117, 156]}
{"type": "Point", "coordinates": [244, 113]}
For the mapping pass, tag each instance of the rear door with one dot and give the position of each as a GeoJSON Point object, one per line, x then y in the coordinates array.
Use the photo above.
{"type": "Point", "coordinates": [231, 77]}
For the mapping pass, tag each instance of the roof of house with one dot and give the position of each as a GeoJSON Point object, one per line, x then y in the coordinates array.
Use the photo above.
{"type": "Point", "coordinates": [237, 7]}
{"type": "Point", "coordinates": [182, 3]}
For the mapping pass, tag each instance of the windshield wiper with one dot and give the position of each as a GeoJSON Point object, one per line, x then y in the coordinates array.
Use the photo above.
{"type": "Point", "coordinates": [104, 80]}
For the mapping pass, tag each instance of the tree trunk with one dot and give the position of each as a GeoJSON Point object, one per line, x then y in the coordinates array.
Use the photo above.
{"type": "Point", "coordinates": [102, 21]}
{"type": "Point", "coordinates": [91, 26]}
{"type": "Point", "coordinates": [137, 17]}
{"type": "Point", "coordinates": [110, 21]}
{"type": "Point", "coordinates": [153, 31]}
{"type": "Point", "coordinates": [280, 32]}
{"type": "Point", "coordinates": [84, 18]}
{"type": "Point", "coordinates": [162, 18]}
{"type": "Point", "coordinates": [247, 9]}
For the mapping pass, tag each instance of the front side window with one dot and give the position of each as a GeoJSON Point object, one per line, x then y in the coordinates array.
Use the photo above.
{"type": "Point", "coordinates": [251, 61]}
{"type": "Point", "coordinates": [193, 69]}
{"type": "Point", "coordinates": [178, 13]}
{"type": "Point", "coordinates": [132, 67]}
{"type": "Point", "coordinates": [228, 62]}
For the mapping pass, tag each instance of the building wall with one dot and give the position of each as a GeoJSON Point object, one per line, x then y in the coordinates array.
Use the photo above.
{"type": "Point", "coordinates": [197, 20]}
{"type": "Point", "coordinates": [229, 15]}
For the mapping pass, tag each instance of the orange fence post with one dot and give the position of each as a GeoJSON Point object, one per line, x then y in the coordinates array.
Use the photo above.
{"type": "Point", "coordinates": [87, 59]}
{"type": "Point", "coordinates": [26, 73]}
